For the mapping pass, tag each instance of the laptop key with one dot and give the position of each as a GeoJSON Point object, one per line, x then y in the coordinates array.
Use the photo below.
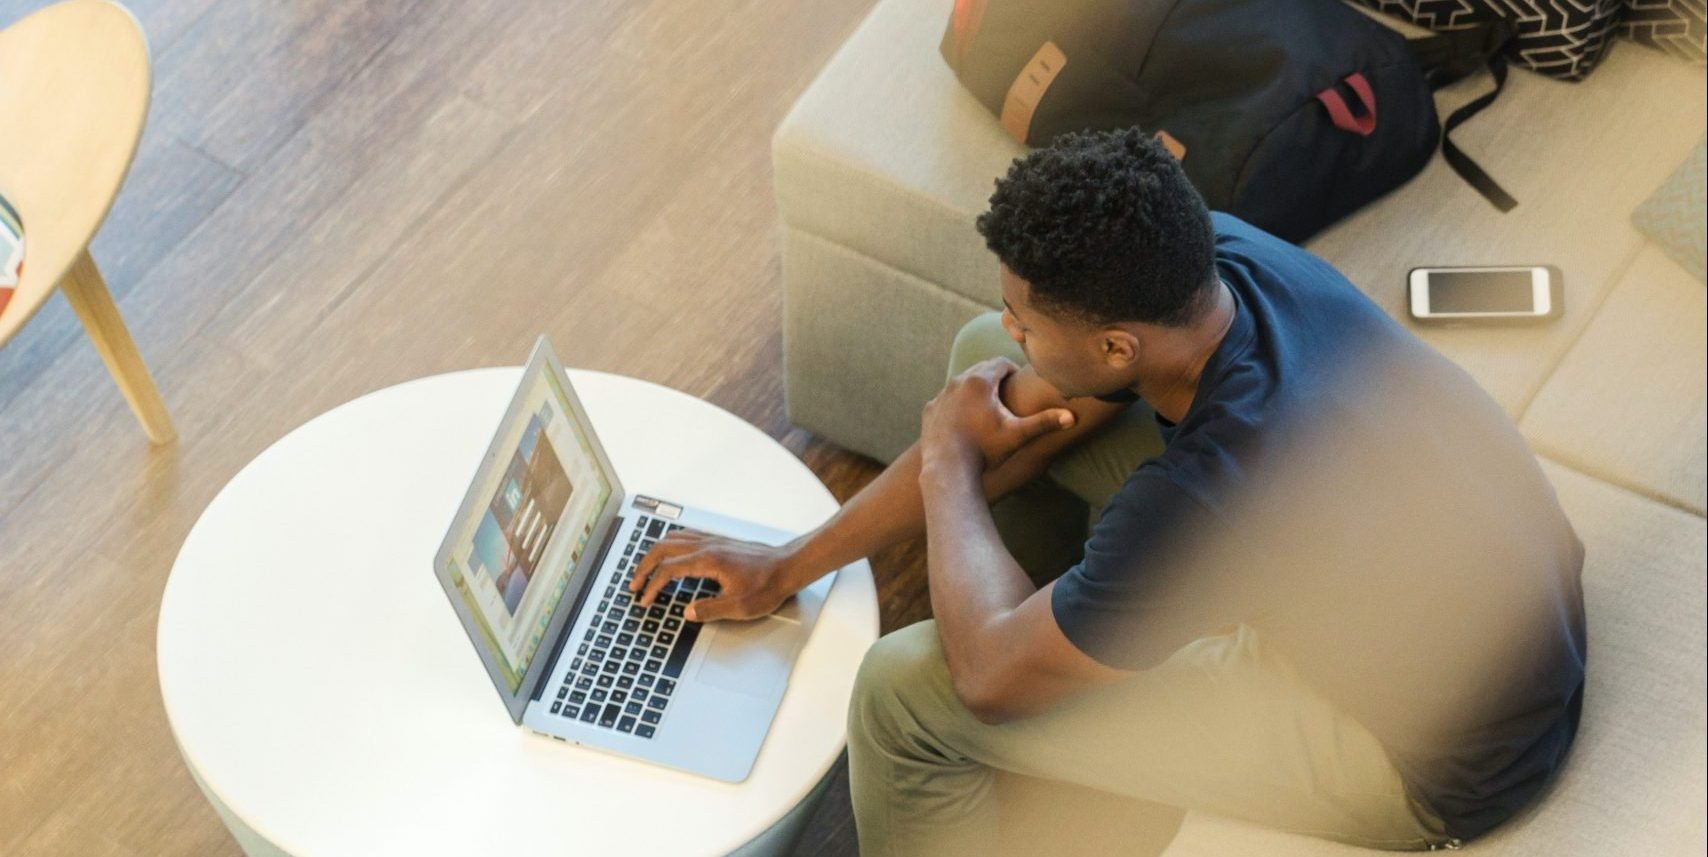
{"type": "Point", "coordinates": [608, 717]}
{"type": "Point", "coordinates": [627, 724]}
{"type": "Point", "coordinates": [631, 668]}
{"type": "Point", "coordinates": [556, 707]}
{"type": "Point", "coordinates": [646, 680]}
{"type": "Point", "coordinates": [657, 702]}
{"type": "Point", "coordinates": [631, 625]}
{"type": "Point", "coordinates": [582, 649]}
{"type": "Point", "coordinates": [665, 686]}
{"type": "Point", "coordinates": [649, 625]}
{"type": "Point", "coordinates": [651, 715]}
{"type": "Point", "coordinates": [647, 544]}
{"type": "Point", "coordinates": [575, 665]}
{"type": "Point", "coordinates": [561, 693]}
{"type": "Point", "coordinates": [584, 684]}
{"type": "Point", "coordinates": [644, 639]}
{"type": "Point", "coordinates": [654, 665]}
{"type": "Point", "coordinates": [572, 711]}
{"type": "Point", "coordinates": [619, 696]}
{"type": "Point", "coordinates": [655, 528]}
{"type": "Point", "coordinates": [625, 639]}
{"type": "Point", "coordinates": [622, 600]}
{"type": "Point", "coordinates": [590, 714]}
{"type": "Point", "coordinates": [675, 611]}
{"type": "Point", "coordinates": [625, 682]}
{"type": "Point", "coordinates": [643, 731]}
{"type": "Point", "coordinates": [639, 695]}
{"type": "Point", "coordinates": [577, 698]}
{"type": "Point", "coordinates": [597, 696]}
{"type": "Point", "coordinates": [609, 628]}
{"type": "Point", "coordinates": [632, 708]}
{"type": "Point", "coordinates": [629, 550]}
{"type": "Point", "coordinates": [619, 653]}
{"type": "Point", "coordinates": [660, 651]}
{"type": "Point", "coordinates": [665, 638]}
{"type": "Point", "coordinates": [605, 681]}
{"type": "Point", "coordinates": [679, 654]}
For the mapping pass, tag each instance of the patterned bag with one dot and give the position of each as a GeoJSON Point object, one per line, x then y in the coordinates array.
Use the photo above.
{"type": "Point", "coordinates": [1558, 38]}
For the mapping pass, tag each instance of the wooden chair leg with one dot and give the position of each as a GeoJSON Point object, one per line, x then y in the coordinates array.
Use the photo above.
{"type": "Point", "coordinates": [87, 291]}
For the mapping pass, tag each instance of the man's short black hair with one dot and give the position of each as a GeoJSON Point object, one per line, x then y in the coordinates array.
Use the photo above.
{"type": "Point", "coordinates": [1106, 228]}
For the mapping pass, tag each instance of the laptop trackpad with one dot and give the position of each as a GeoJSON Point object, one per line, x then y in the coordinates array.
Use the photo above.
{"type": "Point", "coordinates": [751, 657]}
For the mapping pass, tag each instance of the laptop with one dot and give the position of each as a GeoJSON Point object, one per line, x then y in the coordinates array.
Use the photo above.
{"type": "Point", "coordinates": [537, 564]}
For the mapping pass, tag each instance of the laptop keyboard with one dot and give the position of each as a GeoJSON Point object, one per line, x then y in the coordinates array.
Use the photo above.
{"type": "Point", "coordinates": [628, 662]}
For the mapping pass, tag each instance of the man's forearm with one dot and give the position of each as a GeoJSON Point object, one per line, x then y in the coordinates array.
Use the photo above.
{"type": "Point", "coordinates": [974, 580]}
{"type": "Point", "coordinates": [888, 511]}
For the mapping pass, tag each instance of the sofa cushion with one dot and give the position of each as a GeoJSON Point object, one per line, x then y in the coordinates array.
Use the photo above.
{"type": "Point", "coordinates": [1627, 404]}
{"type": "Point", "coordinates": [1634, 783]}
{"type": "Point", "coordinates": [1579, 158]}
{"type": "Point", "coordinates": [888, 155]}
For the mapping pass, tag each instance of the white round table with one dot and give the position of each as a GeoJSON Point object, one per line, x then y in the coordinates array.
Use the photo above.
{"type": "Point", "coordinates": [329, 703]}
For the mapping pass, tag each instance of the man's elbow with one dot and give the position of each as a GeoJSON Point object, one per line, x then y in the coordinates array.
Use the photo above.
{"type": "Point", "coordinates": [984, 702]}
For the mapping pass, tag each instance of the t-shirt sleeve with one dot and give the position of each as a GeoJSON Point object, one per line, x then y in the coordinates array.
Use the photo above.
{"type": "Point", "coordinates": [1132, 602]}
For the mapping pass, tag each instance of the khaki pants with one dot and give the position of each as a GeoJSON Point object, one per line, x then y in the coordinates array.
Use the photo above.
{"type": "Point", "coordinates": [1224, 725]}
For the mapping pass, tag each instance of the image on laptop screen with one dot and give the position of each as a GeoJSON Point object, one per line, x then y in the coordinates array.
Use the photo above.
{"type": "Point", "coordinates": [512, 557]}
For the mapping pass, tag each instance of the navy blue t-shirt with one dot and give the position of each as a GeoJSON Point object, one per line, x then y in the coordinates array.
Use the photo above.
{"type": "Point", "coordinates": [1356, 498]}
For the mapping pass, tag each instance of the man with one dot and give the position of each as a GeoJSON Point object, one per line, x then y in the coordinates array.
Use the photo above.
{"type": "Point", "coordinates": [1329, 591]}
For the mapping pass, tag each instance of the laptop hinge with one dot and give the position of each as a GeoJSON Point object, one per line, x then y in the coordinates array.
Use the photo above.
{"type": "Point", "coordinates": [658, 507]}
{"type": "Point", "coordinates": [545, 679]}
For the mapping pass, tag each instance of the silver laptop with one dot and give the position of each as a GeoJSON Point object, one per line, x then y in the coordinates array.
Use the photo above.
{"type": "Point", "coordinates": [537, 565]}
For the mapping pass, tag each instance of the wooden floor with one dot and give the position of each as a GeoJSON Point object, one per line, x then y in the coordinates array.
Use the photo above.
{"type": "Point", "coordinates": [333, 197]}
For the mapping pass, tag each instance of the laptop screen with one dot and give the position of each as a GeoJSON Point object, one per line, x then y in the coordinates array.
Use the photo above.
{"type": "Point", "coordinates": [528, 520]}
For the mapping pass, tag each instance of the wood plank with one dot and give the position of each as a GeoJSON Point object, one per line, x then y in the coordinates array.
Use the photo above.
{"type": "Point", "coordinates": [450, 180]}
{"type": "Point", "coordinates": [248, 73]}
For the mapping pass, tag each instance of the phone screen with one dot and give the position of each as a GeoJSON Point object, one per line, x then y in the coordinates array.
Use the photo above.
{"type": "Point", "coordinates": [1481, 291]}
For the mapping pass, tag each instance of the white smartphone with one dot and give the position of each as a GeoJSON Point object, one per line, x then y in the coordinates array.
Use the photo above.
{"type": "Point", "coordinates": [1491, 295]}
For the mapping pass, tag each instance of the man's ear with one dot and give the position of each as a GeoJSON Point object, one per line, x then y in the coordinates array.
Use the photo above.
{"type": "Point", "coordinates": [1120, 348]}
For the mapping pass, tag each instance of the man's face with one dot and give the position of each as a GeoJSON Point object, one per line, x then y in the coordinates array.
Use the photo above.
{"type": "Point", "coordinates": [1068, 353]}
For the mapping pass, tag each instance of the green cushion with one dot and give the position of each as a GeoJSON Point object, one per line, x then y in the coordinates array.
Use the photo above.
{"type": "Point", "coordinates": [1673, 216]}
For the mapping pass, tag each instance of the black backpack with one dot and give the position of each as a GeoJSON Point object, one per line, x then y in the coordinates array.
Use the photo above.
{"type": "Point", "coordinates": [1289, 114]}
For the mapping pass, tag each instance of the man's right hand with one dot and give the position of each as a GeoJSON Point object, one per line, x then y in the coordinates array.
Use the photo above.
{"type": "Point", "coordinates": [751, 576]}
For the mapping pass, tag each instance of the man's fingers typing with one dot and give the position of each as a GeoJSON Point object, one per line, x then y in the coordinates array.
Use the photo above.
{"type": "Point", "coordinates": [670, 548]}
{"type": "Point", "coordinates": [694, 563]}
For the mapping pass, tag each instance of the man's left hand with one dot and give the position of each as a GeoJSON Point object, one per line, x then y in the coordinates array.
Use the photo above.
{"type": "Point", "coordinates": [968, 425]}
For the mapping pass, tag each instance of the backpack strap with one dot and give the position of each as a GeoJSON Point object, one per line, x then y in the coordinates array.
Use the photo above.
{"type": "Point", "coordinates": [1451, 56]}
